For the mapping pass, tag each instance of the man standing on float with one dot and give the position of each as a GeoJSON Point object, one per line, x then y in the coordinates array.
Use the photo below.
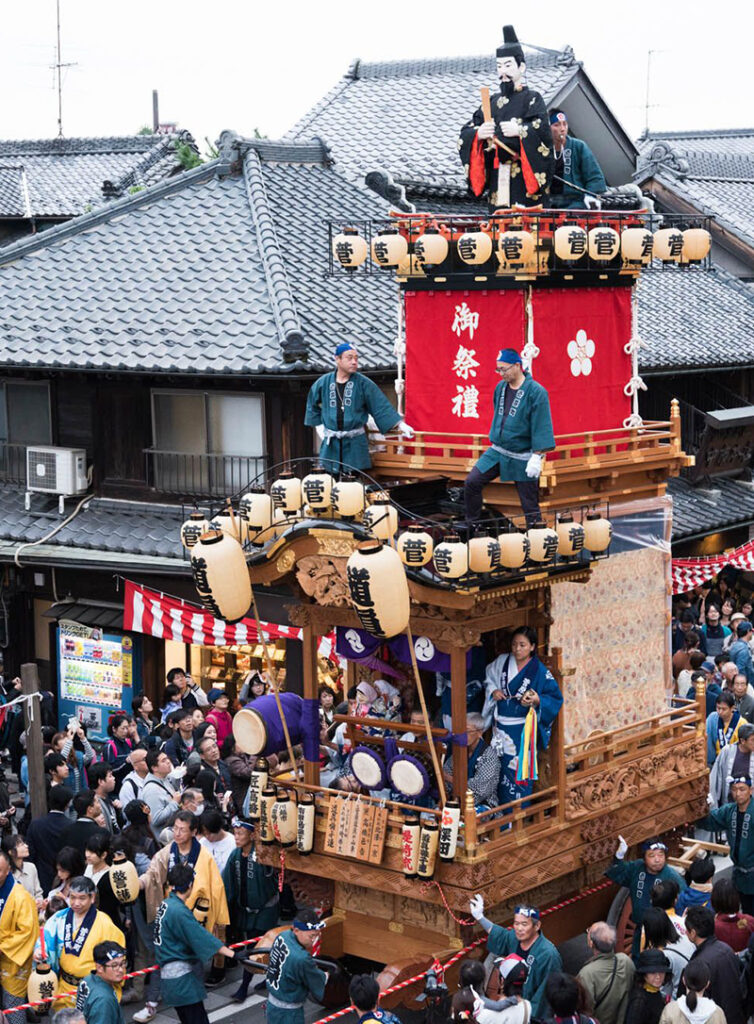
{"type": "Point", "coordinates": [521, 433]}
{"type": "Point", "coordinates": [339, 405]}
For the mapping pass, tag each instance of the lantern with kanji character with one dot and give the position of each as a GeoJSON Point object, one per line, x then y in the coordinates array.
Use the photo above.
{"type": "Point", "coordinates": [410, 845]}
{"type": "Point", "coordinates": [570, 242]}
{"type": "Point", "coordinates": [379, 589]}
{"type": "Point", "coordinates": [474, 247]}
{"type": "Point", "coordinates": [284, 819]}
{"type": "Point", "coordinates": [229, 522]}
{"type": "Point", "coordinates": [305, 818]}
{"type": "Point", "coordinates": [636, 245]}
{"type": "Point", "coordinates": [415, 546]}
{"type": "Point", "coordinates": [220, 575]}
{"type": "Point", "coordinates": [515, 249]}
{"type": "Point", "coordinates": [389, 247]}
{"type": "Point", "coordinates": [449, 825]}
{"type": "Point", "coordinates": [349, 248]}
{"type": "Point", "coordinates": [484, 554]}
{"type": "Point", "coordinates": [192, 529]}
{"type": "Point", "coordinates": [431, 248]}
{"type": "Point", "coordinates": [514, 548]}
{"type": "Point", "coordinates": [42, 983]}
{"type": "Point", "coordinates": [428, 840]}
{"type": "Point", "coordinates": [451, 557]}
{"type": "Point", "coordinates": [257, 782]}
{"type": "Point", "coordinates": [201, 910]}
{"type": "Point", "coordinates": [381, 519]}
{"type": "Point", "coordinates": [256, 508]}
{"type": "Point", "coordinates": [543, 542]}
{"type": "Point", "coordinates": [696, 245]}
{"type": "Point", "coordinates": [269, 796]}
{"type": "Point", "coordinates": [124, 878]}
{"type": "Point", "coordinates": [570, 535]}
{"type": "Point", "coordinates": [668, 245]}
{"type": "Point", "coordinates": [348, 496]}
{"type": "Point", "coordinates": [317, 489]}
{"type": "Point", "coordinates": [604, 243]}
{"type": "Point", "coordinates": [598, 533]}
{"type": "Point", "coordinates": [286, 493]}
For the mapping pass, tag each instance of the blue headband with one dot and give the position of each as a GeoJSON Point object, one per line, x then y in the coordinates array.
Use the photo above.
{"type": "Point", "coordinates": [302, 927]}
{"type": "Point", "coordinates": [739, 778]}
{"type": "Point", "coordinates": [654, 845]}
{"type": "Point", "coordinates": [508, 355]}
{"type": "Point", "coordinates": [242, 823]}
{"type": "Point", "coordinates": [557, 118]}
{"type": "Point", "coordinates": [345, 346]}
{"type": "Point", "coordinates": [528, 912]}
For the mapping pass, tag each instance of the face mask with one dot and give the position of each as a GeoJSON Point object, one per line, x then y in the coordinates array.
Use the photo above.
{"type": "Point", "coordinates": [199, 808]}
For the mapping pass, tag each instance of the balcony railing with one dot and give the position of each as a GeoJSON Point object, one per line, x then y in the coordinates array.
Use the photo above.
{"type": "Point", "coordinates": [201, 475]}
{"type": "Point", "coordinates": [12, 463]}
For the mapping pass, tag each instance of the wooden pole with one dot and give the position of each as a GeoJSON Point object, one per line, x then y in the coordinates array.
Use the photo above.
{"type": "Point", "coordinates": [34, 749]}
{"type": "Point", "coordinates": [309, 646]}
{"type": "Point", "coordinates": [274, 684]}
{"type": "Point", "coordinates": [427, 726]}
{"type": "Point", "coordinates": [458, 719]}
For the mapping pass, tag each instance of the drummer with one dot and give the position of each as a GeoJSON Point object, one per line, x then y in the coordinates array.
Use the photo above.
{"type": "Point", "coordinates": [292, 975]}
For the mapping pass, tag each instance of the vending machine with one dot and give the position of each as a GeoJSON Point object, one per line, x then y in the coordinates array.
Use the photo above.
{"type": "Point", "coordinates": [96, 675]}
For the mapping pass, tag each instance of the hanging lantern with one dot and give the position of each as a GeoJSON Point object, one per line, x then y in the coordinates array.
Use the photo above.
{"type": "Point", "coordinates": [379, 589]}
{"type": "Point", "coordinates": [348, 496]}
{"type": "Point", "coordinates": [449, 825]}
{"type": "Point", "coordinates": [604, 243]}
{"type": "Point", "coordinates": [42, 983]}
{"type": "Point", "coordinates": [415, 546]}
{"type": "Point", "coordinates": [200, 910]}
{"type": "Point", "coordinates": [668, 245]}
{"type": "Point", "coordinates": [257, 782]}
{"type": "Point", "coordinates": [543, 541]}
{"type": "Point", "coordinates": [428, 838]}
{"type": "Point", "coordinates": [256, 508]}
{"type": "Point", "coordinates": [283, 819]}
{"type": "Point", "coordinates": [286, 493]}
{"type": "Point", "coordinates": [220, 575]}
{"type": "Point", "coordinates": [192, 529]}
{"type": "Point", "coordinates": [305, 817]}
{"type": "Point", "coordinates": [474, 247]}
{"type": "Point", "coordinates": [570, 242]}
{"type": "Point", "coordinates": [570, 535]}
{"type": "Point", "coordinates": [515, 249]}
{"type": "Point", "coordinates": [349, 248]}
{"type": "Point", "coordinates": [282, 521]}
{"type": "Point", "coordinates": [229, 523]}
{"type": "Point", "coordinates": [451, 557]}
{"type": "Point", "coordinates": [389, 247]}
{"type": "Point", "coordinates": [484, 554]}
{"type": "Point", "coordinates": [381, 519]}
{"type": "Point", "coordinates": [124, 878]}
{"type": "Point", "coordinates": [410, 845]}
{"type": "Point", "coordinates": [636, 245]}
{"type": "Point", "coordinates": [431, 248]}
{"type": "Point", "coordinates": [696, 245]}
{"type": "Point", "coordinates": [598, 533]}
{"type": "Point", "coordinates": [317, 489]}
{"type": "Point", "coordinates": [514, 549]}
{"type": "Point", "coordinates": [266, 832]}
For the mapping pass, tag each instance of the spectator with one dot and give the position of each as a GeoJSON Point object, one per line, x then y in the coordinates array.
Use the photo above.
{"type": "Point", "coordinates": [181, 743]}
{"type": "Point", "coordinates": [647, 1000]}
{"type": "Point", "coordinates": [681, 659]}
{"type": "Point", "coordinates": [698, 885]}
{"type": "Point", "coordinates": [102, 781]}
{"type": "Point", "coordinates": [726, 611]}
{"type": "Point", "coordinates": [713, 633]}
{"type": "Point", "coordinates": [326, 708]}
{"type": "Point", "coordinates": [722, 962]}
{"type": "Point", "coordinates": [219, 714]}
{"type": "Point", "coordinates": [240, 767]}
{"type": "Point", "coordinates": [685, 625]}
{"type": "Point", "coordinates": [143, 710]}
{"type": "Point", "coordinates": [730, 640]}
{"type": "Point", "coordinates": [56, 770]}
{"type": "Point", "coordinates": [18, 851]}
{"type": "Point", "coordinates": [694, 1007]}
{"type": "Point", "coordinates": [65, 744]}
{"type": "Point", "coordinates": [201, 729]}
{"type": "Point", "coordinates": [564, 994]}
{"type": "Point", "coordinates": [608, 977]}
{"type": "Point", "coordinates": [513, 1009]}
{"type": "Point", "coordinates": [254, 685]}
{"type": "Point", "coordinates": [722, 726]}
{"type": "Point", "coordinates": [189, 694]}
{"type": "Point", "coordinates": [733, 761]}
{"type": "Point", "coordinates": [138, 832]}
{"type": "Point", "coordinates": [364, 993]}
{"type": "Point", "coordinates": [712, 690]}
{"type": "Point", "coordinates": [117, 749]}
{"type": "Point", "coordinates": [210, 761]}
{"type": "Point", "coordinates": [661, 934]}
{"type": "Point", "coordinates": [171, 702]}
{"type": "Point", "coordinates": [686, 677]}
{"type": "Point", "coordinates": [197, 717]}
{"type": "Point", "coordinates": [69, 864]}
{"type": "Point", "coordinates": [665, 896]}
{"type": "Point", "coordinates": [86, 804]}
{"type": "Point", "coordinates": [133, 783]}
{"type": "Point", "coordinates": [744, 701]}
{"type": "Point", "coordinates": [740, 652]}
{"type": "Point", "coordinates": [44, 835]}
{"type": "Point", "coordinates": [731, 926]}
{"type": "Point", "coordinates": [157, 792]}
{"type": "Point", "coordinates": [214, 838]}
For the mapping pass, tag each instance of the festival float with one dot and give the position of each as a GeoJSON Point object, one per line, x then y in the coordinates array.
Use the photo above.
{"type": "Point", "coordinates": [376, 560]}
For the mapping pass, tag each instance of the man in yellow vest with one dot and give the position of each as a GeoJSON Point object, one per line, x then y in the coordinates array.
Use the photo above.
{"type": "Point", "coordinates": [18, 932]}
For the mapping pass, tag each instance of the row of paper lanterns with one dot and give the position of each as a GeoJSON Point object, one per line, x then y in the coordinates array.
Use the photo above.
{"type": "Point", "coordinates": [637, 246]}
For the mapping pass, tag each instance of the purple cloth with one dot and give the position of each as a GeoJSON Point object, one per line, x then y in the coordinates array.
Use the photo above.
{"type": "Point", "coordinates": [310, 728]}
{"type": "Point", "coordinates": [358, 645]}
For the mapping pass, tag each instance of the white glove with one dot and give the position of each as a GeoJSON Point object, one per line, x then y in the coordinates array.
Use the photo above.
{"type": "Point", "coordinates": [510, 129]}
{"type": "Point", "coordinates": [622, 850]}
{"type": "Point", "coordinates": [710, 800]}
{"type": "Point", "coordinates": [534, 465]}
{"type": "Point", "coordinates": [405, 429]}
{"type": "Point", "coordinates": [320, 432]}
{"type": "Point", "coordinates": [476, 905]}
{"type": "Point", "coordinates": [592, 203]}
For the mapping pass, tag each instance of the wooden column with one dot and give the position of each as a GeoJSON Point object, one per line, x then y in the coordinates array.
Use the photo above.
{"type": "Point", "coordinates": [311, 685]}
{"type": "Point", "coordinates": [34, 751]}
{"type": "Point", "coordinates": [458, 718]}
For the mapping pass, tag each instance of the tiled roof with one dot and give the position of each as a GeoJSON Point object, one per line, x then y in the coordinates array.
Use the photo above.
{"type": "Point", "coordinates": [403, 116]}
{"type": "Point", "coordinates": [698, 511]}
{"type": "Point", "coordinates": [66, 176]}
{"type": "Point", "coordinates": [14, 195]}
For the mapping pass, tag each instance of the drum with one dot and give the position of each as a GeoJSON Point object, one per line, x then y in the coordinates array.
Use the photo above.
{"type": "Point", "coordinates": [257, 727]}
{"type": "Point", "coordinates": [368, 768]}
{"type": "Point", "coordinates": [408, 775]}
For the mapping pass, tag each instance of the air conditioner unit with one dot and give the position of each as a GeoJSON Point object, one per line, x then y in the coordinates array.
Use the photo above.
{"type": "Point", "coordinates": [60, 471]}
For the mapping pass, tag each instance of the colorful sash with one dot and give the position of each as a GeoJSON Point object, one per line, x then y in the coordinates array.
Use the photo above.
{"type": "Point", "coordinates": [73, 946]}
{"type": "Point", "coordinates": [527, 754]}
{"type": "Point", "coordinates": [193, 855]}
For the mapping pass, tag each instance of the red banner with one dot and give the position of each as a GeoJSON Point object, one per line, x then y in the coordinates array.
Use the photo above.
{"type": "Point", "coordinates": [692, 572]}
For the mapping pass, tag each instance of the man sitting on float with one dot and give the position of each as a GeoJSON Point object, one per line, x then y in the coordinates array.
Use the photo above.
{"type": "Point", "coordinates": [522, 702]}
{"type": "Point", "coordinates": [483, 765]}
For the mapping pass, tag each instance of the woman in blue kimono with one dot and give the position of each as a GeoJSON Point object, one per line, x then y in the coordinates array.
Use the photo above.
{"type": "Point", "coordinates": [515, 683]}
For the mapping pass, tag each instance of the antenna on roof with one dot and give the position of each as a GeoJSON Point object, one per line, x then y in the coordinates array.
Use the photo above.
{"type": "Point", "coordinates": [57, 67]}
{"type": "Point", "coordinates": [647, 104]}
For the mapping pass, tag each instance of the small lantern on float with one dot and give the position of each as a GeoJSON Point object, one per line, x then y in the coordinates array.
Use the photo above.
{"type": "Point", "coordinates": [451, 557]}
{"type": "Point", "coordinates": [124, 878]}
{"type": "Point", "coordinates": [428, 839]}
{"type": "Point", "coordinates": [415, 546]}
{"type": "Point", "coordinates": [484, 554]}
{"type": "Point", "coordinates": [543, 541]}
{"type": "Point", "coordinates": [410, 845]}
{"type": "Point", "coordinates": [598, 533]}
{"type": "Point", "coordinates": [220, 575]}
{"type": "Point", "coordinates": [283, 818]}
{"type": "Point", "coordinates": [257, 783]}
{"type": "Point", "coordinates": [604, 243]}
{"type": "Point", "coordinates": [305, 817]}
{"type": "Point", "coordinates": [696, 245]}
{"type": "Point", "coordinates": [229, 522]}
{"type": "Point", "coordinates": [378, 589]}
{"type": "Point", "coordinates": [286, 493]}
{"type": "Point", "coordinates": [668, 245]}
{"type": "Point", "coordinates": [349, 249]}
{"type": "Point", "coordinates": [266, 833]}
{"type": "Point", "coordinates": [514, 548]}
{"type": "Point", "coordinates": [256, 508]}
{"type": "Point", "coordinates": [570, 535]}
{"type": "Point", "coordinates": [474, 247]}
{"type": "Point", "coordinates": [381, 519]}
{"type": "Point", "coordinates": [449, 825]}
{"type": "Point", "coordinates": [569, 242]}
{"type": "Point", "coordinates": [515, 249]}
{"type": "Point", "coordinates": [348, 496]}
{"type": "Point", "coordinates": [317, 489]}
{"type": "Point", "coordinates": [431, 248]}
{"type": "Point", "coordinates": [636, 245]}
{"type": "Point", "coordinates": [389, 248]}
{"type": "Point", "coordinates": [192, 529]}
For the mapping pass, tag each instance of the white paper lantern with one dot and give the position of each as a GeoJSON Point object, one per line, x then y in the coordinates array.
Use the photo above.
{"type": "Point", "coordinates": [282, 521]}
{"type": "Point", "coordinates": [543, 541]}
{"type": "Point", "coordinates": [668, 245]}
{"type": "Point", "coordinates": [410, 845]}
{"type": "Point", "coordinates": [124, 878]}
{"type": "Point", "coordinates": [286, 493]}
{"type": "Point", "coordinates": [431, 248]}
{"type": "Point", "coordinates": [379, 589]}
{"type": "Point", "coordinates": [349, 248]}
{"type": "Point", "coordinates": [256, 508]}
{"type": "Point", "coordinates": [514, 549]}
{"type": "Point", "coordinates": [636, 246]}
{"type": "Point", "coordinates": [381, 519]}
{"type": "Point", "coordinates": [389, 247]}
{"type": "Point", "coordinates": [42, 983]}
{"type": "Point", "coordinates": [284, 819]}
{"type": "Point", "coordinates": [484, 554]}
{"type": "Point", "coordinates": [570, 535]}
{"type": "Point", "coordinates": [604, 243]}
{"type": "Point", "coordinates": [257, 783]}
{"type": "Point", "coordinates": [696, 245]}
{"type": "Point", "coordinates": [515, 249]}
{"type": "Point", "coordinates": [305, 820]}
{"type": "Point", "coordinates": [451, 557]}
{"type": "Point", "coordinates": [265, 832]}
{"type": "Point", "coordinates": [415, 546]}
{"type": "Point", "coordinates": [570, 243]}
{"type": "Point", "coordinates": [220, 575]}
{"type": "Point", "coordinates": [317, 489]}
{"type": "Point", "coordinates": [598, 533]}
{"type": "Point", "coordinates": [232, 524]}
{"type": "Point", "coordinates": [192, 529]}
{"type": "Point", "coordinates": [474, 247]}
{"type": "Point", "coordinates": [449, 825]}
{"type": "Point", "coordinates": [427, 859]}
{"type": "Point", "coordinates": [348, 496]}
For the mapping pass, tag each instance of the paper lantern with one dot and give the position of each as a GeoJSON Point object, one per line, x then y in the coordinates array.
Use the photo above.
{"type": "Point", "coordinates": [348, 496]}
{"type": "Point", "coordinates": [257, 782]}
{"type": "Point", "coordinates": [381, 519]}
{"type": "Point", "coordinates": [514, 549]}
{"type": "Point", "coordinates": [42, 983]}
{"type": "Point", "coordinates": [283, 819]}
{"type": "Point", "coordinates": [451, 557]}
{"type": "Point", "coordinates": [474, 247]}
{"type": "Point", "coordinates": [515, 249]}
{"type": "Point", "coordinates": [286, 493]}
{"type": "Point", "coordinates": [598, 533]}
{"type": "Point", "coordinates": [410, 845]}
{"type": "Point", "coordinates": [200, 910]}
{"type": "Point", "coordinates": [668, 245]}
{"type": "Point", "coordinates": [389, 247]}
{"type": "Point", "coordinates": [428, 839]}
{"type": "Point", "coordinates": [696, 245]}
{"type": "Point", "coordinates": [349, 248]}
{"type": "Point", "coordinates": [379, 589]}
{"type": "Point", "coordinates": [570, 243]}
{"type": "Point", "coordinates": [636, 245]}
{"type": "Point", "coordinates": [604, 243]}
{"type": "Point", "coordinates": [124, 878]}
{"type": "Point", "coordinates": [305, 819]}
{"type": "Point", "coordinates": [570, 535]}
{"type": "Point", "coordinates": [484, 554]}
{"type": "Point", "coordinates": [221, 578]}
{"type": "Point", "coordinates": [256, 508]}
{"type": "Point", "coordinates": [415, 546]}
{"type": "Point", "coordinates": [266, 833]}
{"type": "Point", "coordinates": [543, 541]}
{"type": "Point", "coordinates": [317, 489]}
{"type": "Point", "coordinates": [431, 248]}
{"type": "Point", "coordinates": [192, 529]}
{"type": "Point", "coordinates": [282, 521]}
{"type": "Point", "coordinates": [449, 825]}
{"type": "Point", "coordinates": [230, 524]}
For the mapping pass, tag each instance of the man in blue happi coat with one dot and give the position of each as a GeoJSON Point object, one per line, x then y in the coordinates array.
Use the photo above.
{"type": "Point", "coordinates": [576, 171]}
{"type": "Point", "coordinates": [521, 433]}
{"type": "Point", "coordinates": [339, 406]}
{"type": "Point", "coordinates": [96, 994]}
{"type": "Point", "coordinates": [292, 975]}
{"type": "Point", "coordinates": [736, 819]}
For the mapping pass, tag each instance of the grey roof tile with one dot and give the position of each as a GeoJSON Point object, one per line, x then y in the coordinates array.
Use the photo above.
{"type": "Point", "coordinates": [698, 511]}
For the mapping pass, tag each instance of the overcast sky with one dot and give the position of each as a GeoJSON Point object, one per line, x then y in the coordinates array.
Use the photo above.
{"type": "Point", "coordinates": [244, 65]}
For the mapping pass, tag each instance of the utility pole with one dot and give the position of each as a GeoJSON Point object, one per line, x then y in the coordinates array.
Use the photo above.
{"type": "Point", "coordinates": [57, 67]}
{"type": "Point", "coordinates": [155, 111]}
{"type": "Point", "coordinates": [34, 749]}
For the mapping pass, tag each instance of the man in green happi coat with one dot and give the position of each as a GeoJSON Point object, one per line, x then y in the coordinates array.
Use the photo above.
{"type": "Point", "coordinates": [292, 975]}
{"type": "Point", "coordinates": [736, 819]}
